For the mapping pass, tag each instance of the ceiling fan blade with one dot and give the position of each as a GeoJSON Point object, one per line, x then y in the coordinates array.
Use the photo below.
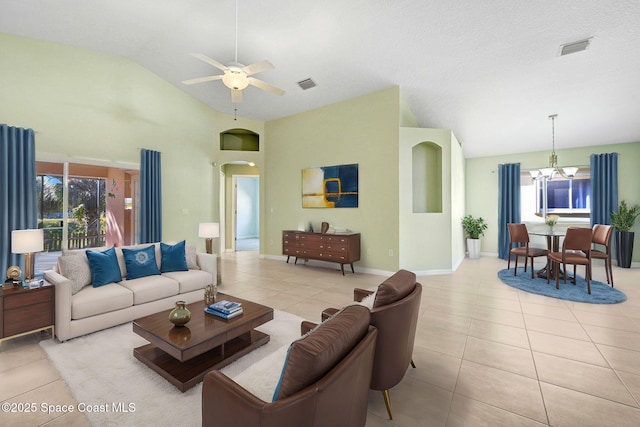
{"type": "Point", "coordinates": [265, 86]}
{"type": "Point", "coordinates": [202, 79]}
{"type": "Point", "coordinates": [210, 61]}
{"type": "Point", "coordinates": [258, 67]}
{"type": "Point", "coordinates": [236, 96]}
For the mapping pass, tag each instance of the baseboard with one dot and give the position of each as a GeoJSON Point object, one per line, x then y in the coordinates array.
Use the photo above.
{"type": "Point", "coordinates": [375, 271]}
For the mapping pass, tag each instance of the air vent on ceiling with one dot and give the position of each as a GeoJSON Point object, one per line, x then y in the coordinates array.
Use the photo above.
{"type": "Point", "coordinates": [307, 84]}
{"type": "Point", "coordinates": [574, 47]}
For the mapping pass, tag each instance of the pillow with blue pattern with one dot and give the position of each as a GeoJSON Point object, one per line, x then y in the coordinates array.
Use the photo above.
{"type": "Point", "coordinates": [140, 262]}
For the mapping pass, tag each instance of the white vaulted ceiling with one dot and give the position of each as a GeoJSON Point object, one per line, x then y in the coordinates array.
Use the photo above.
{"type": "Point", "coordinates": [488, 70]}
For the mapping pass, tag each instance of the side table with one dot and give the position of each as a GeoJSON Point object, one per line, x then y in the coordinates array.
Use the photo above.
{"type": "Point", "coordinates": [25, 311]}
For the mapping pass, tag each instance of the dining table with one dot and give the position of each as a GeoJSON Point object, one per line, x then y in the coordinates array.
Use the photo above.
{"type": "Point", "coordinates": [553, 236]}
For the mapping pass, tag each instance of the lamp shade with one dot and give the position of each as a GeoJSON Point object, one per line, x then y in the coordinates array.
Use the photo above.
{"type": "Point", "coordinates": [209, 230]}
{"type": "Point", "coordinates": [27, 241]}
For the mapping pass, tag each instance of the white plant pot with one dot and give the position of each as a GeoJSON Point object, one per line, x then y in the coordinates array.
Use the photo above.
{"type": "Point", "coordinates": [473, 247]}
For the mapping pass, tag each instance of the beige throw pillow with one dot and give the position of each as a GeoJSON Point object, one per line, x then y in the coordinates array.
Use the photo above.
{"type": "Point", "coordinates": [75, 268]}
{"type": "Point", "coordinates": [190, 251]}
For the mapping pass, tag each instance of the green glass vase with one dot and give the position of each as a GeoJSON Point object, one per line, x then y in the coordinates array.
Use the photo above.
{"type": "Point", "coordinates": [180, 315]}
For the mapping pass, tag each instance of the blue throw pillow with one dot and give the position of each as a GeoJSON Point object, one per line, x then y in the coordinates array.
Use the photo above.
{"type": "Point", "coordinates": [104, 267]}
{"type": "Point", "coordinates": [140, 262]}
{"type": "Point", "coordinates": [173, 257]}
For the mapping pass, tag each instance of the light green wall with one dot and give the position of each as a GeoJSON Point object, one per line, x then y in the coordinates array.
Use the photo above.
{"type": "Point", "coordinates": [362, 130]}
{"type": "Point", "coordinates": [458, 193]}
{"type": "Point", "coordinates": [482, 182]}
{"type": "Point", "coordinates": [428, 241]}
{"type": "Point", "coordinates": [89, 107]}
{"type": "Point", "coordinates": [407, 119]}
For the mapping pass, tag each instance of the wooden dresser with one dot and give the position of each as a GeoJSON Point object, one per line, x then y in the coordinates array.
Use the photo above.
{"type": "Point", "coordinates": [343, 248]}
{"type": "Point", "coordinates": [24, 311]}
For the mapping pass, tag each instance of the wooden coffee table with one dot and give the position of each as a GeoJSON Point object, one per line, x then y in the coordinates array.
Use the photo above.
{"type": "Point", "coordinates": [183, 355]}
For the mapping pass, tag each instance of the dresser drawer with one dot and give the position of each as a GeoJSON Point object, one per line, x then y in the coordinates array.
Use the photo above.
{"type": "Point", "coordinates": [337, 240]}
{"type": "Point", "coordinates": [292, 251]}
{"type": "Point", "coordinates": [32, 297]}
{"type": "Point", "coordinates": [337, 247]}
{"type": "Point", "coordinates": [312, 238]}
{"type": "Point", "coordinates": [28, 318]}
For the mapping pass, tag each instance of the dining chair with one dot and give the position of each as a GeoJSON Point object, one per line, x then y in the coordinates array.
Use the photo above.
{"type": "Point", "coordinates": [576, 250]}
{"type": "Point", "coordinates": [602, 236]}
{"type": "Point", "coordinates": [518, 234]}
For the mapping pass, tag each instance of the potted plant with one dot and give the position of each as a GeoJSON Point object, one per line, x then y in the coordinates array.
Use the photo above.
{"type": "Point", "coordinates": [474, 228]}
{"type": "Point", "coordinates": [623, 221]}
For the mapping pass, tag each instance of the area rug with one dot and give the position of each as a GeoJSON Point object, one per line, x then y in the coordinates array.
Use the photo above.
{"type": "Point", "coordinates": [102, 374]}
{"type": "Point", "coordinates": [601, 293]}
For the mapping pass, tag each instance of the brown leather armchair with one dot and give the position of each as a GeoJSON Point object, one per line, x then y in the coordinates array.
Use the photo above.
{"type": "Point", "coordinates": [395, 314]}
{"type": "Point", "coordinates": [325, 381]}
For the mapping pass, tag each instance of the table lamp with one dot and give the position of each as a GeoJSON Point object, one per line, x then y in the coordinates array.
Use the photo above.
{"type": "Point", "coordinates": [211, 230]}
{"type": "Point", "coordinates": [27, 242]}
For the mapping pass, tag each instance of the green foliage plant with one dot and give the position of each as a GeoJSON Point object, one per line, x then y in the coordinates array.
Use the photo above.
{"type": "Point", "coordinates": [474, 227]}
{"type": "Point", "coordinates": [624, 219]}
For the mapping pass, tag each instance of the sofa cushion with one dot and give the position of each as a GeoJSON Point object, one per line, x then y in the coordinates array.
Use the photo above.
{"type": "Point", "coordinates": [90, 301]}
{"type": "Point", "coordinates": [151, 288]}
{"type": "Point", "coordinates": [191, 253]}
{"type": "Point", "coordinates": [140, 262]}
{"type": "Point", "coordinates": [75, 268]}
{"type": "Point", "coordinates": [104, 267]}
{"type": "Point", "coordinates": [395, 288]}
{"type": "Point", "coordinates": [316, 353]}
{"type": "Point", "coordinates": [173, 257]}
{"type": "Point", "coordinates": [191, 280]}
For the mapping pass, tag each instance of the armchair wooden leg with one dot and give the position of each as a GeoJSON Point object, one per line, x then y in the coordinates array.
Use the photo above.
{"type": "Point", "coordinates": [413, 365]}
{"type": "Point", "coordinates": [387, 402]}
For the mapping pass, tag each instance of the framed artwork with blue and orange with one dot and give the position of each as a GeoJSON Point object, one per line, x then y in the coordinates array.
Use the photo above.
{"type": "Point", "coordinates": [330, 187]}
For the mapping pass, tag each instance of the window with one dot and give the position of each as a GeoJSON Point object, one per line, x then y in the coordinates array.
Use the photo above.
{"type": "Point", "coordinates": [86, 217]}
{"type": "Point", "coordinates": [569, 198]}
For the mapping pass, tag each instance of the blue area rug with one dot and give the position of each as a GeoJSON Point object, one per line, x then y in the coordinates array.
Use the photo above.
{"type": "Point", "coordinates": [601, 293]}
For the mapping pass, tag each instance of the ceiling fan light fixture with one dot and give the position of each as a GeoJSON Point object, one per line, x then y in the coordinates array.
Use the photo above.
{"type": "Point", "coordinates": [234, 78]}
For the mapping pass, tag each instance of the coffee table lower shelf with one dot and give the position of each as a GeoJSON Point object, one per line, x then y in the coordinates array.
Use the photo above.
{"type": "Point", "coordinates": [187, 374]}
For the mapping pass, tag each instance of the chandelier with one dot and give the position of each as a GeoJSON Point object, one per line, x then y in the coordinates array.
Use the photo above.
{"type": "Point", "coordinates": [553, 169]}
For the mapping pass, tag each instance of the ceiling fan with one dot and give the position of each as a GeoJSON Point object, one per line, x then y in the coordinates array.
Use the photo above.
{"type": "Point", "coordinates": [237, 76]}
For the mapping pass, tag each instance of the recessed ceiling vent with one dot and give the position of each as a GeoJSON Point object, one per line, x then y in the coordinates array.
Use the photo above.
{"type": "Point", "coordinates": [574, 47]}
{"type": "Point", "coordinates": [307, 84]}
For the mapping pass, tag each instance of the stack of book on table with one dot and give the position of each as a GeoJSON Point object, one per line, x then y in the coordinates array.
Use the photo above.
{"type": "Point", "coordinates": [225, 309]}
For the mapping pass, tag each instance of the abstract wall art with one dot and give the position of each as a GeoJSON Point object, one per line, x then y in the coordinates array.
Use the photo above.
{"type": "Point", "coordinates": [330, 187]}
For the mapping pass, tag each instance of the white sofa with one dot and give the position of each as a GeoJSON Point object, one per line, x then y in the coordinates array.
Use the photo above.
{"type": "Point", "coordinates": [83, 309]}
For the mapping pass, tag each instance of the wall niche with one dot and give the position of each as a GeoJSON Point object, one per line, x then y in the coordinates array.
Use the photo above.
{"type": "Point", "coordinates": [239, 140]}
{"type": "Point", "coordinates": [427, 177]}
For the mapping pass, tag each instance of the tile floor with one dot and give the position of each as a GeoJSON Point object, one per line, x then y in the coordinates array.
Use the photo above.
{"type": "Point", "coordinates": [486, 354]}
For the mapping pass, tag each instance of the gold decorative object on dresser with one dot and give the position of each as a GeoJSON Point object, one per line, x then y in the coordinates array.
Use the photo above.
{"type": "Point", "coordinates": [343, 248]}
{"type": "Point", "coordinates": [24, 311]}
